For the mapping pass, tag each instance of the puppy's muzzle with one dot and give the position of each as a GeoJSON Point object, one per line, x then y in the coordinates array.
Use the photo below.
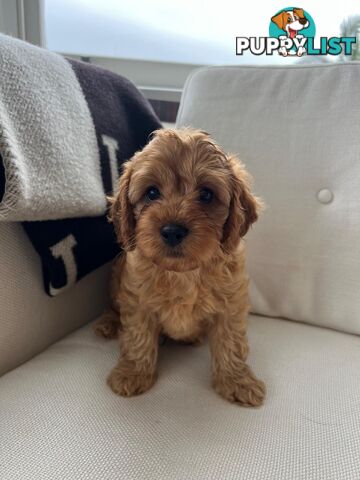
{"type": "Point", "coordinates": [173, 234]}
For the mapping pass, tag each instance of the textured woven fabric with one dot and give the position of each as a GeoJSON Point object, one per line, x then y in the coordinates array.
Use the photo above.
{"type": "Point", "coordinates": [29, 319]}
{"type": "Point", "coordinates": [297, 131]}
{"type": "Point", "coordinates": [47, 138]}
{"type": "Point", "coordinates": [60, 421]}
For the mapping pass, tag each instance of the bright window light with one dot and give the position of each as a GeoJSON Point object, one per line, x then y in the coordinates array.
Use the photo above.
{"type": "Point", "coordinates": [183, 31]}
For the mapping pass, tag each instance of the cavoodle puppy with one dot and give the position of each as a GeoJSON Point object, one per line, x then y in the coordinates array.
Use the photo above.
{"type": "Point", "coordinates": [181, 210]}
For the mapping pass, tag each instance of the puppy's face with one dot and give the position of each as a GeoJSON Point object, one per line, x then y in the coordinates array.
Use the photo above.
{"type": "Point", "coordinates": [182, 201]}
{"type": "Point", "coordinates": [291, 21]}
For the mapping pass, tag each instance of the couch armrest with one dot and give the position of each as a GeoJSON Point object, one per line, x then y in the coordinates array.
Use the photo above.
{"type": "Point", "coordinates": [29, 319]}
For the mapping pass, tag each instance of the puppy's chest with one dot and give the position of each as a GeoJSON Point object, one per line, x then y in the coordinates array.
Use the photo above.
{"type": "Point", "coordinates": [183, 304]}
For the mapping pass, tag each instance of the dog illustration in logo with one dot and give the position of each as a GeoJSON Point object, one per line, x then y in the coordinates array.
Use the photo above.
{"type": "Point", "coordinates": [291, 21]}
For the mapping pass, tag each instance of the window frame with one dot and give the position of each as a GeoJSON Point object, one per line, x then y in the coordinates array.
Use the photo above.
{"type": "Point", "coordinates": [23, 19]}
{"type": "Point", "coordinates": [157, 80]}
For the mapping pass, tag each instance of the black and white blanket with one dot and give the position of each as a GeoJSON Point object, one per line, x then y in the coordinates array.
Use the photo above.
{"type": "Point", "coordinates": [65, 129]}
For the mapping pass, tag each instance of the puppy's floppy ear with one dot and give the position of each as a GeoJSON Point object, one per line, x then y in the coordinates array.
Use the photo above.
{"type": "Point", "coordinates": [244, 206]}
{"type": "Point", "coordinates": [121, 213]}
{"type": "Point", "coordinates": [279, 20]}
{"type": "Point", "coordinates": [299, 12]}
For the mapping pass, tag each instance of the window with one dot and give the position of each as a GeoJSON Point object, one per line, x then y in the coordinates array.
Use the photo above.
{"type": "Point", "coordinates": [157, 43]}
{"type": "Point", "coordinates": [194, 32]}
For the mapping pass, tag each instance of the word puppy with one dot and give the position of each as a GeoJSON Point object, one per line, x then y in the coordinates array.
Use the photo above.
{"type": "Point", "coordinates": [181, 210]}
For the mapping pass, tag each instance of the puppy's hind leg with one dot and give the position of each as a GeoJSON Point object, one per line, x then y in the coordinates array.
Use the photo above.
{"type": "Point", "coordinates": [108, 324]}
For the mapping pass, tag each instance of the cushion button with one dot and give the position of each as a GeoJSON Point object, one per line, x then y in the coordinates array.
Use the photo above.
{"type": "Point", "coordinates": [325, 196]}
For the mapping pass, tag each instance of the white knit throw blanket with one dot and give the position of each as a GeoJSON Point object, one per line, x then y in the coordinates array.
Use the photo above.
{"type": "Point", "coordinates": [47, 138]}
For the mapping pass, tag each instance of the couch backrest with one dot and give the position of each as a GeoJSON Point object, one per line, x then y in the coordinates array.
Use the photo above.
{"type": "Point", "coordinates": [29, 319]}
{"type": "Point", "coordinates": [298, 131]}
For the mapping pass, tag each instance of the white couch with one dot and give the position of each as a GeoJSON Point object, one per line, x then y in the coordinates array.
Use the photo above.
{"type": "Point", "coordinates": [297, 129]}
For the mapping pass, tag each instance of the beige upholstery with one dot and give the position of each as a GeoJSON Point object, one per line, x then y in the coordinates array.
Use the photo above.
{"type": "Point", "coordinates": [29, 319]}
{"type": "Point", "coordinates": [60, 421]}
{"type": "Point", "coordinates": [296, 129]}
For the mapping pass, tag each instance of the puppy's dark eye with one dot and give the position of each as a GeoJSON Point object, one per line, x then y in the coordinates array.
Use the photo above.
{"type": "Point", "coordinates": [206, 195]}
{"type": "Point", "coordinates": [289, 20]}
{"type": "Point", "coordinates": [152, 193]}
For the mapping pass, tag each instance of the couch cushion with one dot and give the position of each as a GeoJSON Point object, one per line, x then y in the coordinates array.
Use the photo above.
{"type": "Point", "coordinates": [59, 420]}
{"type": "Point", "coordinates": [30, 320]}
{"type": "Point", "coordinates": [297, 130]}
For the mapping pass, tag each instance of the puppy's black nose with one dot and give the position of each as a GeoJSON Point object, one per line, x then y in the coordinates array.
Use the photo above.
{"type": "Point", "coordinates": [303, 21]}
{"type": "Point", "coordinates": [173, 234]}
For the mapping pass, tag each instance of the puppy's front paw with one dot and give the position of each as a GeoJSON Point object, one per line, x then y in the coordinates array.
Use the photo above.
{"type": "Point", "coordinates": [301, 51]}
{"type": "Point", "coordinates": [127, 383]}
{"type": "Point", "coordinates": [246, 390]}
{"type": "Point", "coordinates": [282, 51]}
